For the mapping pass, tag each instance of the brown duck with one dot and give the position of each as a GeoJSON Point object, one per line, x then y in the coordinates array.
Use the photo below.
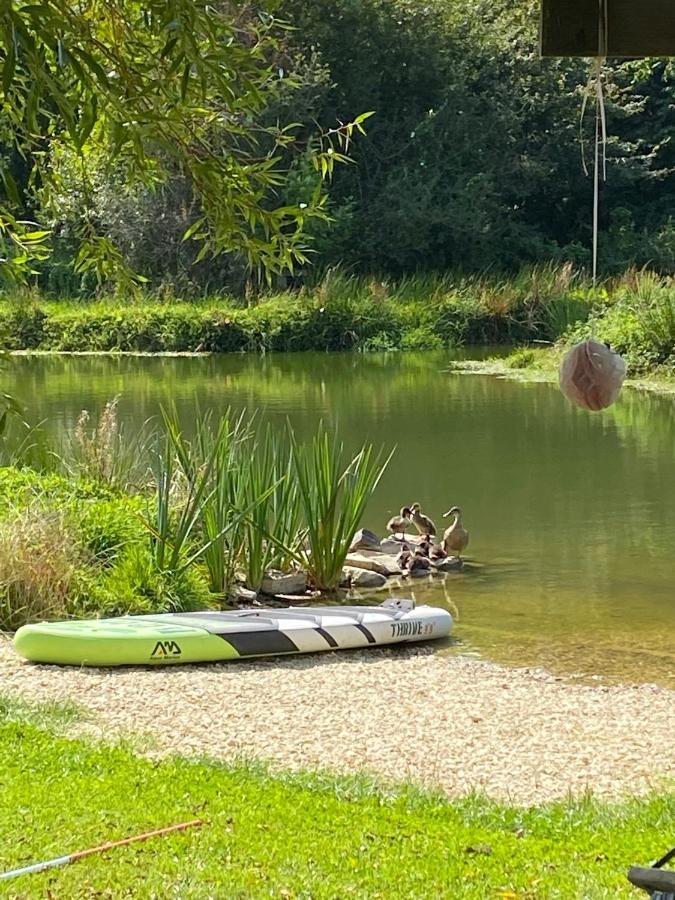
{"type": "Point", "coordinates": [422, 523]}
{"type": "Point", "coordinates": [456, 537]}
{"type": "Point", "coordinates": [399, 524]}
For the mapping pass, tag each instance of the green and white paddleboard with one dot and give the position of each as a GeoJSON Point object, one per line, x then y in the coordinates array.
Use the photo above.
{"type": "Point", "coordinates": [170, 638]}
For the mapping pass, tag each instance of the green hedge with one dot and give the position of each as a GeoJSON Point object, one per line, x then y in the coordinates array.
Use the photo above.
{"type": "Point", "coordinates": [340, 313]}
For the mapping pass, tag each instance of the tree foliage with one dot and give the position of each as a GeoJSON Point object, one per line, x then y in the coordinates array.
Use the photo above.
{"type": "Point", "coordinates": [128, 127]}
{"type": "Point", "coordinates": [473, 157]}
{"type": "Point", "coordinates": [155, 89]}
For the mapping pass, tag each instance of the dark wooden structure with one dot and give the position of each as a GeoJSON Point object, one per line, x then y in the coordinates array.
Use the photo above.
{"type": "Point", "coordinates": [657, 881]}
{"type": "Point", "coordinates": [633, 28]}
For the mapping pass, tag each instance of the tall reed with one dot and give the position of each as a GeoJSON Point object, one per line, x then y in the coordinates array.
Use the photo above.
{"type": "Point", "coordinates": [271, 531]}
{"type": "Point", "coordinates": [190, 517]}
{"type": "Point", "coordinates": [106, 452]}
{"type": "Point", "coordinates": [333, 497]}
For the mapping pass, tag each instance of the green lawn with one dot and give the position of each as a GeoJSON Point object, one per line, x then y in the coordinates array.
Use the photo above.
{"type": "Point", "coordinates": [297, 836]}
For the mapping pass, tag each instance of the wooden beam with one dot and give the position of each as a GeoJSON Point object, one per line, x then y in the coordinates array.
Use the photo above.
{"type": "Point", "coordinates": [634, 28]}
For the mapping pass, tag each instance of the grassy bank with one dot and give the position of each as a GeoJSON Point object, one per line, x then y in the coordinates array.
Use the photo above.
{"type": "Point", "coordinates": [156, 522]}
{"type": "Point", "coordinates": [635, 312]}
{"type": "Point", "coordinates": [307, 835]}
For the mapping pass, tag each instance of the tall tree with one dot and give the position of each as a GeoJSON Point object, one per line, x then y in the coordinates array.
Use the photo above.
{"type": "Point", "coordinates": [157, 87]}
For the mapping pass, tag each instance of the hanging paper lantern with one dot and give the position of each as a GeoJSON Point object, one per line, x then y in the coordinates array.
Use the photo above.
{"type": "Point", "coordinates": [591, 375]}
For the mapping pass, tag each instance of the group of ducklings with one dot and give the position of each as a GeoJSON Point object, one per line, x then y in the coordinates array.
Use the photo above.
{"type": "Point", "coordinates": [417, 561]}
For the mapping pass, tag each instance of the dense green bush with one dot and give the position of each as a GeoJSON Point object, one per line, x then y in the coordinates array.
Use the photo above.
{"type": "Point", "coordinates": [134, 585]}
{"type": "Point", "coordinates": [637, 317]}
{"type": "Point", "coordinates": [107, 527]}
{"type": "Point", "coordinates": [340, 313]}
{"type": "Point", "coordinates": [70, 547]}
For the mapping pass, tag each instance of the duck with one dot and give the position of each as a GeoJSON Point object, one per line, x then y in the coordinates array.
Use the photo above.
{"type": "Point", "coordinates": [456, 537]}
{"type": "Point", "coordinates": [418, 564]}
{"type": "Point", "coordinates": [422, 523]}
{"type": "Point", "coordinates": [437, 553]}
{"type": "Point", "coordinates": [424, 547]}
{"type": "Point", "coordinates": [398, 524]}
{"type": "Point", "coordinates": [403, 557]}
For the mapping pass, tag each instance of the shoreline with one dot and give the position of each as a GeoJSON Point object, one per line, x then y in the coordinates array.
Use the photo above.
{"type": "Point", "coordinates": [654, 384]}
{"type": "Point", "coordinates": [462, 725]}
{"type": "Point", "coordinates": [495, 368]}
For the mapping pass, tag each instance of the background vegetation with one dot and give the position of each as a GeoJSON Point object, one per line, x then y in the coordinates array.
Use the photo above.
{"type": "Point", "coordinates": [635, 312]}
{"type": "Point", "coordinates": [472, 159]}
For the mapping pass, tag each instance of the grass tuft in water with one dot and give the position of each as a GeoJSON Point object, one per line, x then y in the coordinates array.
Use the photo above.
{"type": "Point", "coordinates": [333, 492]}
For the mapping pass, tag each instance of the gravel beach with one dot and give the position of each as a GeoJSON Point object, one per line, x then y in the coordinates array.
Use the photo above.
{"type": "Point", "coordinates": [461, 724]}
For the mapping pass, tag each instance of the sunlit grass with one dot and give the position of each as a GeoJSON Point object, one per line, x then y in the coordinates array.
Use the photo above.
{"type": "Point", "coordinates": [307, 835]}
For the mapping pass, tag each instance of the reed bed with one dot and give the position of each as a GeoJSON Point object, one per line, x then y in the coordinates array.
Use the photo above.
{"type": "Point", "coordinates": [172, 520]}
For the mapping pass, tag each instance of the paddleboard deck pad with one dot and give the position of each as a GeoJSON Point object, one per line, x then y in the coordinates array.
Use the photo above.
{"type": "Point", "coordinates": [170, 638]}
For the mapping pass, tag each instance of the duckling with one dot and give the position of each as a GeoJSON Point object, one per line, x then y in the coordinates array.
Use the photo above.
{"type": "Point", "coordinates": [418, 565]}
{"type": "Point", "coordinates": [424, 547]}
{"type": "Point", "coordinates": [422, 523]}
{"type": "Point", "coordinates": [398, 524]}
{"type": "Point", "coordinates": [437, 553]}
{"type": "Point", "coordinates": [456, 537]}
{"type": "Point", "coordinates": [403, 557]}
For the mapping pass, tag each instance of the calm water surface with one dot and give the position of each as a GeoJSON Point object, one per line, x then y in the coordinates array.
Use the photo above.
{"type": "Point", "coordinates": [571, 514]}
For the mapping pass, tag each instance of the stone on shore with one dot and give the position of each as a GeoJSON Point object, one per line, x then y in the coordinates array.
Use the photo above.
{"type": "Point", "coordinates": [376, 562]}
{"type": "Point", "coordinates": [242, 596]}
{"type": "Point", "coordinates": [365, 540]}
{"type": "Point", "coordinates": [420, 573]}
{"type": "Point", "coordinates": [364, 578]}
{"type": "Point", "coordinates": [449, 564]}
{"type": "Point", "coordinates": [276, 583]}
{"type": "Point", "coordinates": [393, 548]}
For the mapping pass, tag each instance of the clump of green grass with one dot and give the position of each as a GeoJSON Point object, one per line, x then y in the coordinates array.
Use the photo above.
{"type": "Point", "coordinates": [39, 562]}
{"type": "Point", "coordinates": [521, 359]}
{"type": "Point", "coordinates": [306, 835]}
{"type": "Point", "coordinates": [333, 492]}
{"type": "Point", "coordinates": [50, 716]}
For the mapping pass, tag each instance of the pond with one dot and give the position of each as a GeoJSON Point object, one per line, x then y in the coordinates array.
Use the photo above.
{"type": "Point", "coordinates": [571, 514]}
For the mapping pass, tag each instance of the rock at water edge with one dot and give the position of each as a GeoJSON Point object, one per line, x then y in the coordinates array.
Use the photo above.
{"type": "Point", "coordinates": [284, 583]}
{"type": "Point", "coordinates": [365, 540]}
{"type": "Point", "coordinates": [450, 564]}
{"type": "Point", "coordinates": [376, 562]}
{"type": "Point", "coordinates": [364, 578]}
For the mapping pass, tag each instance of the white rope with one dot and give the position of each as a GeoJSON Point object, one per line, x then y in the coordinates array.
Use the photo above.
{"type": "Point", "coordinates": [594, 87]}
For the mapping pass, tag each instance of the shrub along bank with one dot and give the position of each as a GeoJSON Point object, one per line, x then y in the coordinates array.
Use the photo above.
{"type": "Point", "coordinates": [167, 523]}
{"type": "Point", "coordinates": [340, 313]}
{"type": "Point", "coordinates": [635, 313]}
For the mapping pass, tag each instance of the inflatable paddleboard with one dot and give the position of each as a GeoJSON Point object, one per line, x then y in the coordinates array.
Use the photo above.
{"type": "Point", "coordinates": [170, 638]}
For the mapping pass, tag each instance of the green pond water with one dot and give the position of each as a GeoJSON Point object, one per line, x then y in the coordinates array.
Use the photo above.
{"type": "Point", "coordinates": [571, 514]}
